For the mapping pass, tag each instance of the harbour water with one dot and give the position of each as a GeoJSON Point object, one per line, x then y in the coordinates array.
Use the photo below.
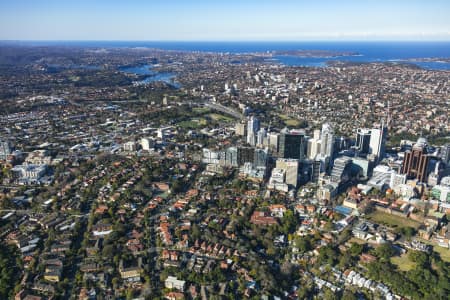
{"type": "Point", "coordinates": [373, 51]}
{"type": "Point", "coordinates": [152, 76]}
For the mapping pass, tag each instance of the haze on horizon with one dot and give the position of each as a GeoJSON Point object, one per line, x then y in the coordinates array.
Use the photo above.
{"type": "Point", "coordinates": [233, 20]}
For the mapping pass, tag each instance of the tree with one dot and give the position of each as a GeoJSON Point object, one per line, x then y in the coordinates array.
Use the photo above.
{"type": "Point", "coordinates": [9, 270]}
{"type": "Point", "coordinates": [356, 249]}
{"type": "Point", "coordinates": [349, 295]}
{"type": "Point", "coordinates": [328, 254]}
{"type": "Point", "coordinates": [305, 292]}
{"type": "Point", "coordinates": [420, 258]}
{"type": "Point", "coordinates": [303, 244]}
{"type": "Point", "coordinates": [408, 232]}
{"type": "Point", "coordinates": [385, 251]}
{"type": "Point", "coordinates": [329, 295]}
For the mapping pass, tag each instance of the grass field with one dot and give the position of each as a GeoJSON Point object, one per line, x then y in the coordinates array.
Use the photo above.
{"type": "Point", "coordinates": [392, 220]}
{"type": "Point", "coordinates": [193, 123]}
{"type": "Point", "coordinates": [222, 118]}
{"type": "Point", "coordinates": [443, 252]}
{"type": "Point", "coordinates": [288, 121]}
{"type": "Point", "coordinates": [201, 110]}
{"type": "Point", "coordinates": [403, 262]}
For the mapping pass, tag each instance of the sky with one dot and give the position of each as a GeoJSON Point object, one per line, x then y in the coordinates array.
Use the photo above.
{"type": "Point", "coordinates": [231, 20]}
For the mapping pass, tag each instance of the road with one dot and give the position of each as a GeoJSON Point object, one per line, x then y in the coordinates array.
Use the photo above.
{"type": "Point", "coordinates": [224, 109]}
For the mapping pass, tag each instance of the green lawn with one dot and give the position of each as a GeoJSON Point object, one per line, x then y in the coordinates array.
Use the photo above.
{"type": "Point", "coordinates": [201, 110]}
{"type": "Point", "coordinates": [218, 117]}
{"type": "Point", "coordinates": [443, 252]}
{"type": "Point", "coordinates": [288, 121]}
{"type": "Point", "coordinates": [392, 220]}
{"type": "Point", "coordinates": [403, 262]}
{"type": "Point", "coordinates": [193, 123]}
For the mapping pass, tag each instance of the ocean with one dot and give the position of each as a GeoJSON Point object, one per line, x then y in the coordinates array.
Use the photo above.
{"type": "Point", "coordinates": [369, 51]}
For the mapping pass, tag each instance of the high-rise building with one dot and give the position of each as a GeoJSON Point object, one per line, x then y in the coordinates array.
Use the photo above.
{"type": "Point", "coordinates": [397, 179]}
{"type": "Point", "coordinates": [245, 154]}
{"type": "Point", "coordinates": [252, 128]}
{"type": "Point", "coordinates": [273, 141]}
{"type": "Point", "coordinates": [261, 157]}
{"type": "Point", "coordinates": [327, 140]}
{"type": "Point", "coordinates": [229, 157]}
{"type": "Point", "coordinates": [241, 129]}
{"type": "Point", "coordinates": [210, 156]}
{"type": "Point", "coordinates": [313, 148]}
{"type": "Point", "coordinates": [5, 150]}
{"type": "Point", "coordinates": [378, 142]}
{"type": "Point", "coordinates": [363, 141]}
{"type": "Point", "coordinates": [415, 163]}
{"type": "Point", "coordinates": [315, 171]}
{"type": "Point", "coordinates": [261, 137]}
{"type": "Point", "coordinates": [292, 144]}
{"type": "Point", "coordinates": [371, 141]}
{"type": "Point", "coordinates": [445, 154]}
{"type": "Point", "coordinates": [341, 169]}
{"type": "Point", "coordinates": [147, 143]}
{"type": "Point", "coordinates": [291, 167]}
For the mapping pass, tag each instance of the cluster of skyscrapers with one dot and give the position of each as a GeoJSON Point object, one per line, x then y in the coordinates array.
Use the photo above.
{"type": "Point", "coordinates": [290, 157]}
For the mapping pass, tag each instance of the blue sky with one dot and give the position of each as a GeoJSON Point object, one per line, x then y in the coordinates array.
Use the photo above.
{"type": "Point", "coordinates": [244, 20]}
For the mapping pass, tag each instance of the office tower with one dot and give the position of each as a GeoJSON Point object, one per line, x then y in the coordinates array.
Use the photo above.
{"type": "Point", "coordinates": [261, 136]}
{"type": "Point", "coordinates": [228, 158]}
{"type": "Point", "coordinates": [371, 141]}
{"type": "Point", "coordinates": [341, 169]}
{"type": "Point", "coordinates": [292, 144]}
{"type": "Point", "coordinates": [397, 179]}
{"type": "Point", "coordinates": [210, 156]}
{"type": "Point", "coordinates": [316, 134]}
{"type": "Point", "coordinates": [378, 141]}
{"type": "Point", "coordinates": [327, 140]}
{"type": "Point", "coordinates": [363, 141]}
{"type": "Point", "coordinates": [313, 148]}
{"type": "Point", "coordinates": [273, 141]}
{"type": "Point", "coordinates": [129, 146]}
{"type": "Point", "coordinates": [291, 167]}
{"type": "Point", "coordinates": [445, 154]}
{"type": "Point", "coordinates": [315, 171]}
{"type": "Point", "coordinates": [245, 154]}
{"type": "Point", "coordinates": [415, 163]}
{"type": "Point", "coordinates": [313, 145]}
{"type": "Point", "coordinates": [5, 150]}
{"type": "Point", "coordinates": [146, 144]}
{"type": "Point", "coordinates": [261, 157]}
{"type": "Point", "coordinates": [252, 128]}
{"type": "Point", "coordinates": [241, 129]}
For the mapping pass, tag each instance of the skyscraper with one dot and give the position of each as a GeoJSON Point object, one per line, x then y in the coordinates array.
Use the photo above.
{"type": "Point", "coordinates": [5, 150]}
{"type": "Point", "coordinates": [292, 144]}
{"type": "Point", "coordinates": [291, 167]}
{"type": "Point", "coordinates": [261, 156]}
{"type": "Point", "coordinates": [245, 154]}
{"type": "Point", "coordinates": [415, 163]}
{"type": "Point", "coordinates": [371, 141]}
{"type": "Point", "coordinates": [363, 141]}
{"type": "Point", "coordinates": [241, 129]}
{"type": "Point", "coordinates": [229, 157]}
{"type": "Point", "coordinates": [445, 153]}
{"type": "Point", "coordinates": [313, 148]}
{"type": "Point", "coordinates": [252, 128]}
{"type": "Point", "coordinates": [261, 137]}
{"type": "Point", "coordinates": [327, 141]}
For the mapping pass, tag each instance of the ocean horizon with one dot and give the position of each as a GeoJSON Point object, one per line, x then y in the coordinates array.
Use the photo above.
{"type": "Point", "coordinates": [369, 51]}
